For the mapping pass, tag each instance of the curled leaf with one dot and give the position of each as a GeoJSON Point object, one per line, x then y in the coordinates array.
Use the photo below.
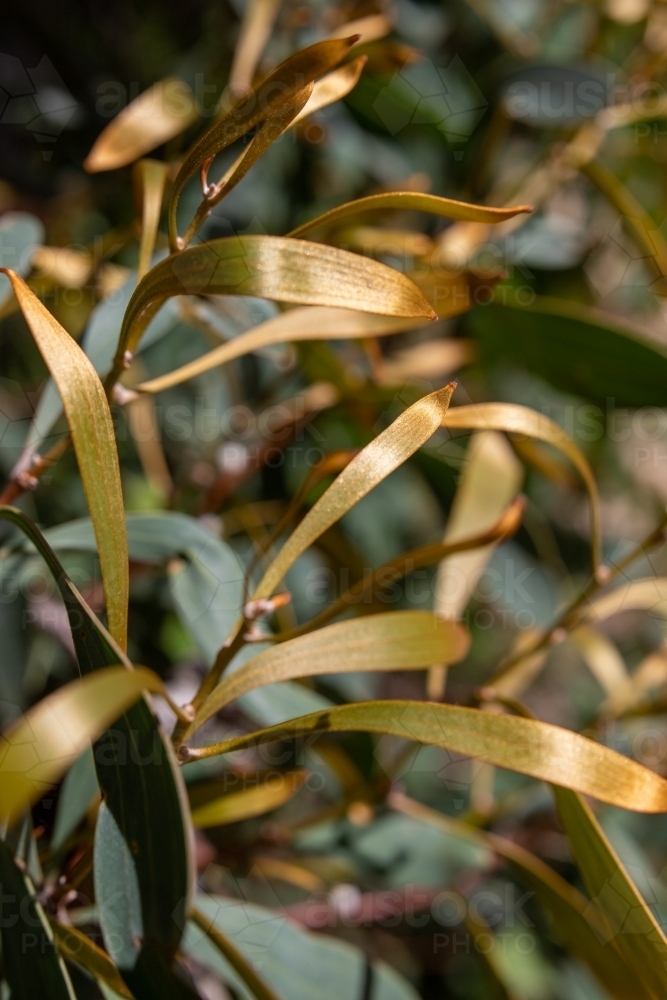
{"type": "Point", "coordinates": [373, 464]}
{"type": "Point", "coordinates": [288, 78]}
{"type": "Point", "coordinates": [90, 425]}
{"type": "Point", "coordinates": [160, 113]}
{"type": "Point", "coordinates": [333, 87]}
{"type": "Point", "coordinates": [515, 419]}
{"type": "Point", "coordinates": [414, 201]}
{"type": "Point", "coordinates": [272, 267]}
{"type": "Point", "coordinates": [534, 748]}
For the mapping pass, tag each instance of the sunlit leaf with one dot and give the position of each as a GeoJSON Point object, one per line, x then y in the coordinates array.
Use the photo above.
{"type": "Point", "coordinates": [306, 323]}
{"type": "Point", "coordinates": [413, 201]}
{"type": "Point", "coordinates": [490, 480]}
{"type": "Point", "coordinates": [256, 25]}
{"type": "Point", "coordinates": [160, 113]}
{"type": "Point", "coordinates": [272, 267]}
{"type": "Point", "coordinates": [534, 748]}
{"type": "Point", "coordinates": [94, 441]}
{"type": "Point", "coordinates": [333, 87]}
{"type": "Point", "coordinates": [151, 177]}
{"type": "Point", "coordinates": [259, 798]}
{"type": "Point", "coordinates": [373, 464]}
{"type": "Point", "coordinates": [632, 926]}
{"type": "Point", "coordinates": [602, 658]}
{"type": "Point", "coordinates": [31, 965]}
{"type": "Point", "coordinates": [271, 130]}
{"type": "Point", "coordinates": [38, 749]}
{"type": "Point", "coordinates": [288, 78]}
{"type": "Point", "coordinates": [398, 640]}
{"type": "Point", "coordinates": [635, 595]}
{"type": "Point", "coordinates": [515, 419]}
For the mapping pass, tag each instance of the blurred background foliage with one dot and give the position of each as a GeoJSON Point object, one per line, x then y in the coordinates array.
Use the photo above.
{"type": "Point", "coordinates": [492, 101]}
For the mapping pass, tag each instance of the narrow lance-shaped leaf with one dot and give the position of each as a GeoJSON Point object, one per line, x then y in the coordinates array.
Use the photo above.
{"type": "Point", "coordinates": [160, 113]}
{"type": "Point", "coordinates": [78, 948]}
{"type": "Point", "coordinates": [414, 201]}
{"type": "Point", "coordinates": [90, 424]}
{"type": "Point", "coordinates": [259, 989]}
{"type": "Point", "coordinates": [306, 323]}
{"type": "Point", "coordinates": [292, 75]}
{"type": "Point", "coordinates": [515, 419]}
{"type": "Point", "coordinates": [409, 562]}
{"type": "Point", "coordinates": [333, 87]}
{"type": "Point", "coordinates": [131, 791]}
{"type": "Point", "coordinates": [373, 464]}
{"type": "Point", "coordinates": [534, 748]}
{"type": "Point", "coordinates": [151, 177]}
{"type": "Point", "coordinates": [255, 800]}
{"type": "Point", "coordinates": [398, 640]}
{"type": "Point", "coordinates": [632, 926]}
{"type": "Point", "coordinates": [31, 965]}
{"type": "Point", "coordinates": [258, 19]}
{"type": "Point", "coordinates": [578, 925]}
{"type": "Point", "coordinates": [270, 131]}
{"type": "Point", "coordinates": [271, 267]}
{"type": "Point", "coordinates": [38, 749]}
{"type": "Point", "coordinates": [636, 595]}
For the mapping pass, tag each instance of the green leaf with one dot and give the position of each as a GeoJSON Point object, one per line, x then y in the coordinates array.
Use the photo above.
{"type": "Point", "coordinates": [37, 750]}
{"type": "Point", "coordinates": [20, 234]}
{"type": "Point", "coordinates": [576, 923]}
{"type": "Point", "coordinates": [31, 964]}
{"type": "Point", "coordinates": [397, 640]}
{"type": "Point", "coordinates": [271, 267]}
{"type": "Point", "coordinates": [138, 777]}
{"type": "Point", "coordinates": [632, 926]}
{"type": "Point", "coordinates": [292, 963]}
{"type": "Point", "coordinates": [94, 442]}
{"type": "Point", "coordinates": [576, 348]}
{"type": "Point", "coordinates": [78, 790]}
{"type": "Point", "coordinates": [534, 748]}
{"type": "Point", "coordinates": [412, 201]}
